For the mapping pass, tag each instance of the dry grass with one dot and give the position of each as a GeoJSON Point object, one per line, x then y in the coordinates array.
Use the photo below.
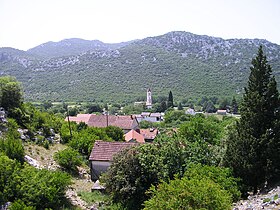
{"type": "Point", "coordinates": [42, 155]}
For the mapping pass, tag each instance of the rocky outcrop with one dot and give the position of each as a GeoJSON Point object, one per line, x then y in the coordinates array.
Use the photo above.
{"type": "Point", "coordinates": [269, 201]}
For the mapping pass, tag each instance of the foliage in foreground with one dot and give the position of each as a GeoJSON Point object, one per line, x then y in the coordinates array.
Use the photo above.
{"type": "Point", "coordinates": [202, 187]}
{"type": "Point", "coordinates": [30, 186]}
{"type": "Point", "coordinates": [189, 194]}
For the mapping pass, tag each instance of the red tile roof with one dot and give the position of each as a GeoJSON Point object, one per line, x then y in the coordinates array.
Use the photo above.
{"type": "Point", "coordinates": [124, 122]}
{"type": "Point", "coordinates": [149, 133]}
{"type": "Point", "coordinates": [80, 118]}
{"type": "Point", "coordinates": [104, 151]}
{"type": "Point", "coordinates": [134, 135]}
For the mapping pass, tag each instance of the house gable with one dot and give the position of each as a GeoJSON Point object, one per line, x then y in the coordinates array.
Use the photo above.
{"type": "Point", "coordinates": [102, 155]}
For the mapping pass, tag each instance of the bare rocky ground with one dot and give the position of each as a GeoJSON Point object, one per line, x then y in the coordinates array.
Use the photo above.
{"type": "Point", "coordinates": [269, 201]}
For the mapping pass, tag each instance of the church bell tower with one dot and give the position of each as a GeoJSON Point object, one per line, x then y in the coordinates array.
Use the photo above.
{"type": "Point", "coordinates": [149, 99]}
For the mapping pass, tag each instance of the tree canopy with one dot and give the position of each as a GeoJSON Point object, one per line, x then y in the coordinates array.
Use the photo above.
{"type": "Point", "coordinates": [253, 151]}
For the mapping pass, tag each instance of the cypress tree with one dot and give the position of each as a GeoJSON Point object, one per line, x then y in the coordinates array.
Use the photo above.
{"type": "Point", "coordinates": [170, 100]}
{"type": "Point", "coordinates": [234, 106]}
{"type": "Point", "coordinates": [253, 151]}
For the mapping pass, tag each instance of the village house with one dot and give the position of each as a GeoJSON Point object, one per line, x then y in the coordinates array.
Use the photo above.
{"type": "Point", "coordinates": [221, 111]}
{"type": "Point", "coordinates": [149, 134]}
{"type": "Point", "coordinates": [102, 155]}
{"type": "Point", "coordinates": [79, 118]}
{"type": "Point", "coordinates": [190, 111]}
{"type": "Point", "coordinates": [134, 136]}
{"type": "Point", "coordinates": [150, 117]}
{"type": "Point", "coordinates": [126, 122]}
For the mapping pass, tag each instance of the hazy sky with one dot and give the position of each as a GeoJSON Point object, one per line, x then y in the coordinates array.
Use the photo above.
{"type": "Point", "coordinates": [28, 23]}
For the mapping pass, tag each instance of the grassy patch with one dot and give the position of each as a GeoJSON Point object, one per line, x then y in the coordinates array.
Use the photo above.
{"type": "Point", "coordinates": [93, 197]}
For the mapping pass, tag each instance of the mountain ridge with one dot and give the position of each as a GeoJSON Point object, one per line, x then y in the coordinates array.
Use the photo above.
{"type": "Point", "coordinates": [190, 65]}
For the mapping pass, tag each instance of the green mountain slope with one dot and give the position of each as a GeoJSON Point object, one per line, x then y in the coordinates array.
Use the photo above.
{"type": "Point", "coordinates": [189, 65]}
{"type": "Point", "coordinates": [68, 47]}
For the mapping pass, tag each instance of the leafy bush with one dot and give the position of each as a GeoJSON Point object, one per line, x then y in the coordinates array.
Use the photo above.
{"type": "Point", "coordinates": [20, 205]}
{"type": "Point", "coordinates": [7, 168]}
{"type": "Point", "coordinates": [68, 159]}
{"type": "Point", "coordinates": [201, 128]}
{"type": "Point", "coordinates": [10, 144]}
{"type": "Point", "coordinates": [28, 187]}
{"type": "Point", "coordinates": [46, 189]}
{"type": "Point", "coordinates": [202, 187]}
{"type": "Point", "coordinates": [83, 140]}
{"type": "Point", "coordinates": [115, 133]}
{"type": "Point", "coordinates": [221, 176]}
{"type": "Point", "coordinates": [187, 193]}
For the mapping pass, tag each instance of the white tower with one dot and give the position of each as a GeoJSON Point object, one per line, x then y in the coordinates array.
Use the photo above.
{"type": "Point", "coordinates": [149, 99]}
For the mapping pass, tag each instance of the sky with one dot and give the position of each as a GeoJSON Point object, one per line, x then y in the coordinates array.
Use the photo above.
{"type": "Point", "coordinates": [27, 23]}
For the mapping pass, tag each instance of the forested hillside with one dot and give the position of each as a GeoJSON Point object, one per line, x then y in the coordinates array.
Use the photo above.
{"type": "Point", "coordinates": [190, 65]}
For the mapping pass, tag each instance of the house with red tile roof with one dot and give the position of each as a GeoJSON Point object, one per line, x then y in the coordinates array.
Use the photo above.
{"type": "Point", "coordinates": [102, 155]}
{"type": "Point", "coordinates": [79, 118]}
{"type": "Point", "coordinates": [126, 122]}
{"type": "Point", "coordinates": [149, 134]}
{"type": "Point", "coordinates": [134, 136]}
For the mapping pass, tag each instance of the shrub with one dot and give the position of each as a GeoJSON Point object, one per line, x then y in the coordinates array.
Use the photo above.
{"type": "Point", "coordinates": [68, 159]}
{"type": "Point", "coordinates": [46, 189]}
{"type": "Point", "coordinates": [189, 194]}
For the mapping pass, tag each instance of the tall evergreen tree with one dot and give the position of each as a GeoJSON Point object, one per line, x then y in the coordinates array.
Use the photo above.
{"type": "Point", "coordinates": [253, 152]}
{"type": "Point", "coordinates": [234, 106]}
{"type": "Point", "coordinates": [170, 100]}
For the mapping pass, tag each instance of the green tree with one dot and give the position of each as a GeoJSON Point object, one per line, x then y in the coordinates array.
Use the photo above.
{"type": "Point", "coordinates": [39, 188]}
{"type": "Point", "coordinates": [83, 140]}
{"type": "Point", "coordinates": [47, 105]}
{"type": "Point", "coordinates": [201, 128]}
{"type": "Point", "coordinates": [224, 103]}
{"type": "Point", "coordinates": [10, 94]}
{"type": "Point", "coordinates": [209, 107]}
{"type": "Point", "coordinates": [115, 133]}
{"type": "Point", "coordinates": [189, 193]}
{"type": "Point", "coordinates": [132, 172]}
{"type": "Point", "coordinates": [170, 100]}
{"type": "Point", "coordinates": [91, 108]}
{"type": "Point", "coordinates": [180, 107]}
{"type": "Point", "coordinates": [222, 176]}
{"type": "Point", "coordinates": [11, 144]}
{"type": "Point", "coordinates": [253, 152]}
{"type": "Point", "coordinates": [234, 106]}
{"type": "Point", "coordinates": [7, 168]}
{"type": "Point", "coordinates": [162, 107]}
{"type": "Point", "coordinates": [20, 205]}
{"type": "Point", "coordinates": [68, 159]}
{"type": "Point", "coordinates": [173, 115]}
